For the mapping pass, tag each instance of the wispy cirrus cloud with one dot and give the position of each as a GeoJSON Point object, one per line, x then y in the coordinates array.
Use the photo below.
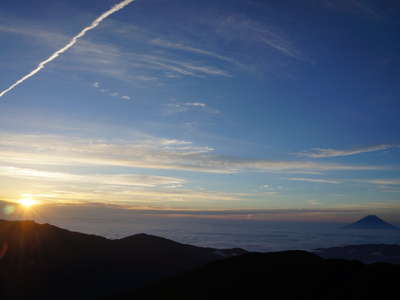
{"type": "Point", "coordinates": [117, 62]}
{"type": "Point", "coordinates": [353, 6]}
{"type": "Point", "coordinates": [314, 180]}
{"type": "Point", "coordinates": [241, 27]}
{"type": "Point", "coordinates": [323, 153]}
{"type": "Point", "coordinates": [128, 189]}
{"type": "Point", "coordinates": [182, 67]}
{"type": "Point", "coordinates": [152, 55]}
{"type": "Point", "coordinates": [149, 153]}
{"type": "Point", "coordinates": [180, 46]}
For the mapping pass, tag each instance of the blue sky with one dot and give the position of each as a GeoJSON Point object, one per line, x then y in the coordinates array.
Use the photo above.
{"type": "Point", "coordinates": [203, 105]}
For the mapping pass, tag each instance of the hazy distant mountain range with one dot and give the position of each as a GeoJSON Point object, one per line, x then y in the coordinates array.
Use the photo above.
{"type": "Point", "coordinates": [41, 261]}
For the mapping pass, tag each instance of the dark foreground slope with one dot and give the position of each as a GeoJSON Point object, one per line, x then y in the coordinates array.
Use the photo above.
{"type": "Point", "coordinates": [283, 275]}
{"type": "Point", "coordinates": [41, 261]}
{"type": "Point", "coordinates": [369, 253]}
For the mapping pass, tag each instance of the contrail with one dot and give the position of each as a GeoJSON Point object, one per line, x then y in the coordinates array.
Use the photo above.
{"type": "Point", "coordinates": [71, 43]}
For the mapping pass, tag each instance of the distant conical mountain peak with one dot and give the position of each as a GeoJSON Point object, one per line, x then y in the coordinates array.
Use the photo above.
{"type": "Point", "coordinates": [371, 222]}
{"type": "Point", "coordinates": [374, 217]}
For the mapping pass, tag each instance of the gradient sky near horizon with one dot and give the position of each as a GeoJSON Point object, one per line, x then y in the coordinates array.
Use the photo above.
{"type": "Point", "coordinates": [203, 105]}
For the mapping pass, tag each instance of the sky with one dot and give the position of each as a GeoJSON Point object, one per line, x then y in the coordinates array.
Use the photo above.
{"type": "Point", "coordinates": [232, 108]}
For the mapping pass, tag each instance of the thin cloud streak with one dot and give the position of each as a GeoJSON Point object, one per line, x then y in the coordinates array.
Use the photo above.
{"type": "Point", "coordinates": [313, 180]}
{"type": "Point", "coordinates": [178, 46]}
{"type": "Point", "coordinates": [179, 107]}
{"type": "Point", "coordinates": [384, 181]}
{"type": "Point", "coordinates": [243, 28]}
{"type": "Point", "coordinates": [353, 6]}
{"type": "Point", "coordinates": [71, 43]}
{"type": "Point", "coordinates": [323, 153]}
{"type": "Point", "coordinates": [103, 179]}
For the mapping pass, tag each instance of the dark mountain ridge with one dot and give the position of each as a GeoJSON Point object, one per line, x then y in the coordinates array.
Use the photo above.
{"type": "Point", "coordinates": [39, 260]}
{"type": "Point", "coordinates": [368, 253]}
{"type": "Point", "coordinates": [281, 275]}
{"type": "Point", "coordinates": [42, 261]}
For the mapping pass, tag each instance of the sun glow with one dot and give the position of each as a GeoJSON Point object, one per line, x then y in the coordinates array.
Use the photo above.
{"type": "Point", "coordinates": [27, 202]}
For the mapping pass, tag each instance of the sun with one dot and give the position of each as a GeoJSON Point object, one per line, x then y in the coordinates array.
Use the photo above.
{"type": "Point", "coordinates": [27, 202]}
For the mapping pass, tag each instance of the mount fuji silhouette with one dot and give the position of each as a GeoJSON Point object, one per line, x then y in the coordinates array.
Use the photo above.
{"type": "Point", "coordinates": [371, 222]}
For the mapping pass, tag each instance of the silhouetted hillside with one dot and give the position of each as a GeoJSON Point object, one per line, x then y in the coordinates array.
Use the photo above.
{"type": "Point", "coordinates": [283, 275]}
{"type": "Point", "coordinates": [43, 261]}
{"type": "Point", "coordinates": [371, 253]}
{"type": "Point", "coordinates": [371, 222]}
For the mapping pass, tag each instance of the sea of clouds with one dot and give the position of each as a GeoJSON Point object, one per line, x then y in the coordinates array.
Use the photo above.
{"type": "Point", "coordinates": [251, 235]}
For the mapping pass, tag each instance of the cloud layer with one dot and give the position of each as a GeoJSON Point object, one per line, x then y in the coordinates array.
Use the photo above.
{"type": "Point", "coordinates": [147, 153]}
